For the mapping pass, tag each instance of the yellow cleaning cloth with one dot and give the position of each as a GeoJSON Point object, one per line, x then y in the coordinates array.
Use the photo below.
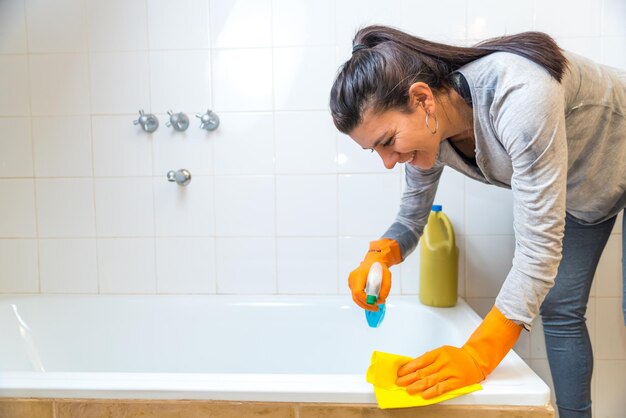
{"type": "Point", "coordinates": [383, 372]}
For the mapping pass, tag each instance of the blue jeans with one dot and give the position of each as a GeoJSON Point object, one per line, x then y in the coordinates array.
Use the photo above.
{"type": "Point", "coordinates": [563, 316]}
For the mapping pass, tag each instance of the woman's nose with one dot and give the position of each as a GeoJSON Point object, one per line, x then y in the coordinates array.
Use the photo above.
{"type": "Point", "coordinates": [390, 158]}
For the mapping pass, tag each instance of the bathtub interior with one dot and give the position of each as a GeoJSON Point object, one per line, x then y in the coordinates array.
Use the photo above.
{"type": "Point", "coordinates": [222, 334]}
{"type": "Point", "coordinates": [319, 340]}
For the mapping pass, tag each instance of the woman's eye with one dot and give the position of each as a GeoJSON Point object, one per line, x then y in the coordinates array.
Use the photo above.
{"type": "Point", "coordinates": [389, 142]}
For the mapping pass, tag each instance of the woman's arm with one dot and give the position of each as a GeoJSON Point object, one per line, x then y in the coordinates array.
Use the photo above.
{"type": "Point", "coordinates": [417, 200]}
{"type": "Point", "coordinates": [529, 119]}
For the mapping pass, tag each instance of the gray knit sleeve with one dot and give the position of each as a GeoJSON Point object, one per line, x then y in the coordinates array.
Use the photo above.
{"type": "Point", "coordinates": [530, 122]}
{"type": "Point", "coordinates": [417, 200]}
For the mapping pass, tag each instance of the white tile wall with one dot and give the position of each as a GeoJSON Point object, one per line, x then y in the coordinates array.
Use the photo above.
{"type": "Point", "coordinates": [415, 19]}
{"type": "Point", "coordinates": [360, 196]}
{"type": "Point", "coordinates": [53, 137]}
{"type": "Point", "coordinates": [12, 27]}
{"type": "Point", "coordinates": [15, 86]}
{"type": "Point", "coordinates": [20, 266]}
{"type": "Point", "coordinates": [245, 206]}
{"type": "Point", "coordinates": [16, 148]}
{"type": "Point", "coordinates": [488, 208]}
{"type": "Point", "coordinates": [244, 143]}
{"type": "Point", "coordinates": [298, 71]}
{"type": "Point", "coordinates": [126, 265]}
{"type": "Point", "coordinates": [185, 265]}
{"type": "Point", "coordinates": [307, 265]}
{"type": "Point", "coordinates": [489, 18]}
{"type": "Point", "coordinates": [185, 26]}
{"type": "Point", "coordinates": [120, 82]}
{"type": "Point", "coordinates": [56, 27]}
{"type": "Point", "coordinates": [68, 266]}
{"type": "Point", "coordinates": [305, 143]}
{"type": "Point", "coordinates": [229, 16]}
{"type": "Point", "coordinates": [609, 269]}
{"type": "Point", "coordinates": [279, 202]}
{"type": "Point", "coordinates": [451, 195]}
{"type": "Point", "coordinates": [583, 17]}
{"type": "Point", "coordinates": [613, 12]}
{"type": "Point", "coordinates": [609, 400]}
{"type": "Point", "coordinates": [303, 22]}
{"type": "Point", "coordinates": [488, 262]}
{"type": "Point", "coordinates": [610, 329]}
{"type": "Point", "coordinates": [257, 275]}
{"type": "Point", "coordinates": [124, 207]}
{"type": "Point", "coordinates": [306, 205]}
{"type": "Point", "coordinates": [65, 208]}
{"type": "Point", "coordinates": [180, 80]}
{"type": "Point", "coordinates": [18, 211]}
{"type": "Point", "coordinates": [353, 14]}
{"type": "Point", "coordinates": [120, 148]}
{"type": "Point", "coordinates": [117, 25]}
{"type": "Point", "coordinates": [245, 79]}
{"type": "Point", "coordinates": [59, 84]}
{"type": "Point", "coordinates": [613, 51]}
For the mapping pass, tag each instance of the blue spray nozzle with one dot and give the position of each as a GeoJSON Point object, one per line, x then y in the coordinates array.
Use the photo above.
{"type": "Point", "coordinates": [374, 319]}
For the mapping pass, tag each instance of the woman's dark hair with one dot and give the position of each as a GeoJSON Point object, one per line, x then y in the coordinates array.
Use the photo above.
{"type": "Point", "coordinates": [387, 61]}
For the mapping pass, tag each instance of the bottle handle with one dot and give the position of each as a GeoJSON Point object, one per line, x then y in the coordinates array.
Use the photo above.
{"type": "Point", "coordinates": [449, 231]}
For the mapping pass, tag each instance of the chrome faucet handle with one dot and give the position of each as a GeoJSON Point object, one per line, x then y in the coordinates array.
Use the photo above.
{"type": "Point", "coordinates": [149, 122]}
{"type": "Point", "coordinates": [209, 120]}
{"type": "Point", "coordinates": [179, 121]}
{"type": "Point", "coordinates": [182, 177]}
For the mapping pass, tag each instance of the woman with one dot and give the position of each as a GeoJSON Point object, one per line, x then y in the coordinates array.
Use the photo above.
{"type": "Point", "coordinates": [515, 112]}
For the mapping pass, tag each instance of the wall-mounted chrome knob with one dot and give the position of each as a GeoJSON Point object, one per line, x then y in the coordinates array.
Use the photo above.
{"type": "Point", "coordinates": [179, 120]}
{"type": "Point", "coordinates": [209, 120]}
{"type": "Point", "coordinates": [182, 177]}
{"type": "Point", "coordinates": [149, 122]}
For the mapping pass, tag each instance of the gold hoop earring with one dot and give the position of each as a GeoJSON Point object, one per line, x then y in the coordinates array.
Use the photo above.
{"type": "Point", "coordinates": [436, 123]}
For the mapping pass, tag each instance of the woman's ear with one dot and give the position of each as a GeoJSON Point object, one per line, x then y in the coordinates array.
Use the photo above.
{"type": "Point", "coordinates": [421, 95]}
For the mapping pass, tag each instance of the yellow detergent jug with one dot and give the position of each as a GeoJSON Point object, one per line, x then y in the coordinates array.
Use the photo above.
{"type": "Point", "coordinates": [439, 261]}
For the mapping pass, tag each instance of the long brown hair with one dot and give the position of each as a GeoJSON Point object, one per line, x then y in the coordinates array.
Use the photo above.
{"type": "Point", "coordinates": [386, 61]}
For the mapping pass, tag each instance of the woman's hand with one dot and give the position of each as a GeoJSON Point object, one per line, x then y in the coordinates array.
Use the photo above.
{"type": "Point", "coordinates": [447, 368]}
{"type": "Point", "coordinates": [439, 371]}
{"type": "Point", "coordinates": [358, 280]}
{"type": "Point", "coordinates": [385, 251]}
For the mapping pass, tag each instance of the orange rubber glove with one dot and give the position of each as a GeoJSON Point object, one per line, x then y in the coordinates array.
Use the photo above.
{"type": "Point", "coordinates": [447, 368]}
{"type": "Point", "coordinates": [387, 252]}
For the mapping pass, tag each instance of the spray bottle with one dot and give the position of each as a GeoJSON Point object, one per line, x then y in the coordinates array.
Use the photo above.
{"type": "Point", "coordinates": [372, 290]}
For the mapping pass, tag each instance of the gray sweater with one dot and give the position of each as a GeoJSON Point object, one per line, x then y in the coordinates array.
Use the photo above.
{"type": "Point", "coordinates": [559, 147]}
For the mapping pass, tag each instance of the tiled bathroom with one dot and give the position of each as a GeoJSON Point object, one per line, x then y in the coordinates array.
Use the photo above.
{"type": "Point", "coordinates": [279, 202]}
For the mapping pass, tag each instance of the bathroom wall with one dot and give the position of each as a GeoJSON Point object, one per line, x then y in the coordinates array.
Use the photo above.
{"type": "Point", "coordinates": [279, 202]}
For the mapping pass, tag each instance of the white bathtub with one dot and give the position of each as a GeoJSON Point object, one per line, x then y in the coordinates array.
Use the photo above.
{"type": "Point", "coordinates": [240, 348]}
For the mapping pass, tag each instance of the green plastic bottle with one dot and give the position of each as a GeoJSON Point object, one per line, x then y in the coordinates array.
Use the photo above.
{"type": "Point", "coordinates": [439, 261]}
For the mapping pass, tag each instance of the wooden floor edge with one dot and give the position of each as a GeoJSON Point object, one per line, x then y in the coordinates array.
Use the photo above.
{"type": "Point", "coordinates": [294, 409]}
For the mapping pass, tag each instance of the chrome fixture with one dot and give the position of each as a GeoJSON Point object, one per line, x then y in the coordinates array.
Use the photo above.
{"type": "Point", "coordinates": [179, 121]}
{"type": "Point", "coordinates": [209, 120]}
{"type": "Point", "coordinates": [182, 177]}
{"type": "Point", "coordinates": [149, 122]}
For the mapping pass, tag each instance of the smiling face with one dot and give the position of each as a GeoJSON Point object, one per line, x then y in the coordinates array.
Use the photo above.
{"type": "Point", "coordinates": [399, 137]}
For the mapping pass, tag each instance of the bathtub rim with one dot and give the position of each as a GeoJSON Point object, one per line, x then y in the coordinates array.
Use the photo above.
{"type": "Point", "coordinates": [222, 387]}
{"type": "Point", "coordinates": [340, 388]}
